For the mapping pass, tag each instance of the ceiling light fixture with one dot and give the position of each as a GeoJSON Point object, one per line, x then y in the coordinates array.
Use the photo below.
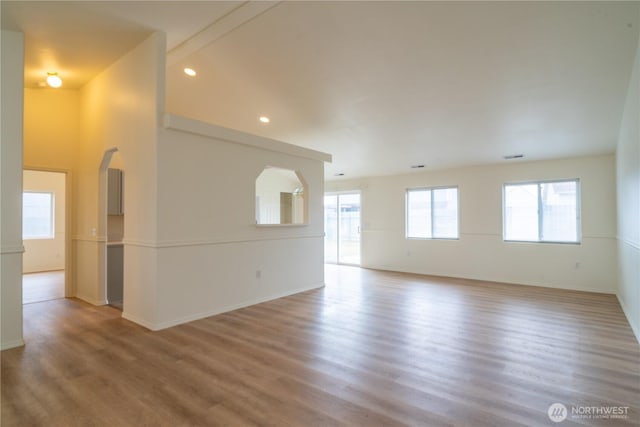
{"type": "Point", "coordinates": [53, 80]}
{"type": "Point", "coordinates": [190, 72]}
{"type": "Point", "coordinates": [338, 174]}
{"type": "Point", "coordinates": [264, 119]}
{"type": "Point", "coordinates": [417, 166]}
{"type": "Point", "coordinates": [513, 156]}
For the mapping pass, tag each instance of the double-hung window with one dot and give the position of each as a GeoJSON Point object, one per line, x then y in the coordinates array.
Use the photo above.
{"type": "Point", "coordinates": [432, 213]}
{"type": "Point", "coordinates": [544, 211]}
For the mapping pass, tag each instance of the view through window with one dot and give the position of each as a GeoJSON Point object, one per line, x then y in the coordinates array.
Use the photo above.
{"type": "Point", "coordinates": [432, 213]}
{"type": "Point", "coordinates": [542, 212]}
{"type": "Point", "coordinates": [37, 215]}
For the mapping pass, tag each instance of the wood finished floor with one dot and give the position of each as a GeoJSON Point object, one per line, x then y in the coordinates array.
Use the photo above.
{"type": "Point", "coordinates": [45, 286]}
{"type": "Point", "coordinates": [370, 349]}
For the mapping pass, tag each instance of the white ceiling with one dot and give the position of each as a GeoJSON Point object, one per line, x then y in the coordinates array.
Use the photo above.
{"type": "Point", "coordinates": [78, 39]}
{"type": "Point", "coordinates": [380, 85]}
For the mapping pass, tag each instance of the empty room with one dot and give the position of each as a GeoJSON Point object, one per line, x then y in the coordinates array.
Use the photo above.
{"type": "Point", "coordinates": [320, 213]}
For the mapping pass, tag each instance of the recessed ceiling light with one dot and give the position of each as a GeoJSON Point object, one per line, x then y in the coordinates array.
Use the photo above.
{"type": "Point", "coordinates": [513, 156]}
{"type": "Point", "coordinates": [338, 174]}
{"type": "Point", "coordinates": [53, 80]}
{"type": "Point", "coordinates": [190, 72]}
{"type": "Point", "coordinates": [417, 166]}
{"type": "Point", "coordinates": [264, 119]}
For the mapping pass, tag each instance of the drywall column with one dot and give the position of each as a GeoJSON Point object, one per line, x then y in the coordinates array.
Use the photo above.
{"type": "Point", "coordinates": [628, 202]}
{"type": "Point", "coordinates": [11, 74]}
{"type": "Point", "coordinates": [119, 110]}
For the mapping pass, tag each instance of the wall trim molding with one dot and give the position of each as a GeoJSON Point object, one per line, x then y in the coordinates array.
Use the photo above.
{"type": "Point", "coordinates": [138, 321]}
{"type": "Point", "coordinates": [169, 323]}
{"type": "Point", "coordinates": [634, 328]}
{"type": "Point", "coordinates": [168, 244]}
{"type": "Point", "coordinates": [486, 279]}
{"type": "Point", "coordinates": [629, 242]}
{"type": "Point", "coordinates": [90, 300]}
{"type": "Point", "coordinates": [89, 239]}
{"type": "Point", "coordinates": [12, 249]}
{"type": "Point", "coordinates": [12, 344]}
{"type": "Point", "coordinates": [494, 235]}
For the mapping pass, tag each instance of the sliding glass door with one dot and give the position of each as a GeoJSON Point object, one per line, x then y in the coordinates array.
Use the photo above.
{"type": "Point", "coordinates": [342, 228]}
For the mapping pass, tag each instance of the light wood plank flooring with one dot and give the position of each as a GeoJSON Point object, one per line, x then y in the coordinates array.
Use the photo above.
{"type": "Point", "coordinates": [370, 349]}
{"type": "Point", "coordinates": [45, 286]}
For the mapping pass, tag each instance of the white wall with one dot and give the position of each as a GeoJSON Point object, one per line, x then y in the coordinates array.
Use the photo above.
{"type": "Point", "coordinates": [480, 252]}
{"type": "Point", "coordinates": [212, 257]}
{"type": "Point", "coordinates": [51, 128]}
{"type": "Point", "coordinates": [11, 98]}
{"type": "Point", "coordinates": [120, 109]}
{"type": "Point", "coordinates": [46, 254]}
{"type": "Point", "coordinates": [628, 188]}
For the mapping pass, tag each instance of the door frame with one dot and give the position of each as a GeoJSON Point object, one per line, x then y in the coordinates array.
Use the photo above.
{"type": "Point", "coordinates": [102, 223]}
{"type": "Point", "coordinates": [69, 273]}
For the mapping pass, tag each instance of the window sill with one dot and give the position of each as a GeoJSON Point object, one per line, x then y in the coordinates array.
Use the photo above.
{"type": "Point", "coordinates": [433, 238]}
{"type": "Point", "coordinates": [281, 225]}
{"type": "Point", "coordinates": [541, 241]}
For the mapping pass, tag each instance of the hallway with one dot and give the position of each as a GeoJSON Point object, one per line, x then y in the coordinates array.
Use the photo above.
{"type": "Point", "coordinates": [45, 286]}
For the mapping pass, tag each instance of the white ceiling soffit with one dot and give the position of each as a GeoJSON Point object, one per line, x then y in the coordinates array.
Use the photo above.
{"type": "Point", "coordinates": [79, 39]}
{"type": "Point", "coordinates": [67, 38]}
{"type": "Point", "coordinates": [217, 29]}
{"type": "Point", "coordinates": [386, 85]}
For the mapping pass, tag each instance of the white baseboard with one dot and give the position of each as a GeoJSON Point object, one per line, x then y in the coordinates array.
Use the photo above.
{"type": "Point", "coordinates": [609, 291]}
{"type": "Point", "coordinates": [90, 300]}
{"type": "Point", "coordinates": [11, 344]}
{"type": "Point", "coordinates": [213, 312]}
{"type": "Point", "coordinates": [138, 321]}
{"type": "Point", "coordinates": [635, 328]}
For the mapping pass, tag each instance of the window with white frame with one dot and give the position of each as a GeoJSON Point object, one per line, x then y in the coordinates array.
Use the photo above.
{"type": "Point", "coordinates": [432, 213]}
{"type": "Point", "coordinates": [37, 215]}
{"type": "Point", "coordinates": [544, 211]}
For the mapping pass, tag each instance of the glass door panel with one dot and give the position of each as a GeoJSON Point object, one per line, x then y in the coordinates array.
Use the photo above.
{"type": "Point", "coordinates": [342, 228]}
{"type": "Point", "coordinates": [331, 229]}
{"type": "Point", "coordinates": [349, 229]}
